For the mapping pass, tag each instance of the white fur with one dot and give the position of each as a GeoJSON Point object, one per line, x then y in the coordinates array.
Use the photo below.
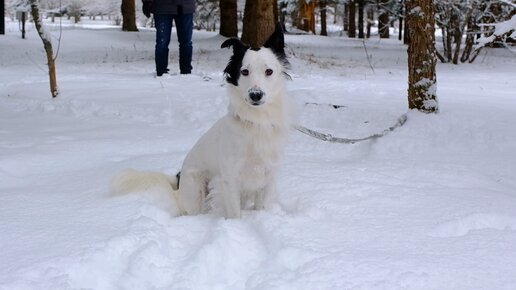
{"type": "Point", "coordinates": [131, 180]}
{"type": "Point", "coordinates": [233, 165]}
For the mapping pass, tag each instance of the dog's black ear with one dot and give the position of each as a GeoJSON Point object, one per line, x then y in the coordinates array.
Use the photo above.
{"type": "Point", "coordinates": [276, 41]}
{"type": "Point", "coordinates": [232, 70]}
{"type": "Point", "coordinates": [233, 42]}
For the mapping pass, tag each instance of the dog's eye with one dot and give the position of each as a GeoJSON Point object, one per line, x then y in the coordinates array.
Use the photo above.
{"type": "Point", "coordinates": [268, 72]}
{"type": "Point", "coordinates": [244, 72]}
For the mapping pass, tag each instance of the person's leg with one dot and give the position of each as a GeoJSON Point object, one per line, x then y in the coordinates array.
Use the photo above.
{"type": "Point", "coordinates": [163, 30]}
{"type": "Point", "coordinates": [184, 26]}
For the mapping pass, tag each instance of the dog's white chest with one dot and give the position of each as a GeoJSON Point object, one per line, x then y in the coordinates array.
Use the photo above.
{"type": "Point", "coordinates": [259, 158]}
{"type": "Point", "coordinates": [253, 174]}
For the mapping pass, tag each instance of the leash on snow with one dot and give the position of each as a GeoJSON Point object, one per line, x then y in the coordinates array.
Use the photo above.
{"type": "Point", "coordinates": [329, 138]}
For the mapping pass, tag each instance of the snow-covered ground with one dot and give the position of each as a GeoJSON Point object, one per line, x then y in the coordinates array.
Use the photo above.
{"type": "Point", "coordinates": [432, 205]}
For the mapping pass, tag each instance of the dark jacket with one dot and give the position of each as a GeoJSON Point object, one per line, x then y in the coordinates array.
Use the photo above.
{"type": "Point", "coordinates": [171, 6]}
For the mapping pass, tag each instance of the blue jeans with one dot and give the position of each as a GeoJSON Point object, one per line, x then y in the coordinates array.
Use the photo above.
{"type": "Point", "coordinates": [184, 27]}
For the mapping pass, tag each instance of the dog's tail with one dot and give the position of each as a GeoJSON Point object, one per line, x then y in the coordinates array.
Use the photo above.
{"type": "Point", "coordinates": [159, 185]}
{"type": "Point", "coordinates": [130, 180]}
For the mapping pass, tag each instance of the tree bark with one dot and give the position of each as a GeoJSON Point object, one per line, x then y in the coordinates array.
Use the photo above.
{"type": "Point", "coordinates": [2, 20]}
{"type": "Point", "coordinates": [128, 15]}
{"type": "Point", "coordinates": [458, 36]}
{"type": "Point", "coordinates": [406, 34]}
{"type": "Point", "coordinates": [352, 26]}
{"type": "Point", "coordinates": [47, 44]}
{"type": "Point", "coordinates": [282, 12]}
{"type": "Point", "coordinates": [468, 46]}
{"type": "Point", "coordinates": [307, 16]}
{"type": "Point", "coordinates": [258, 22]}
{"type": "Point", "coordinates": [421, 56]}
{"type": "Point", "coordinates": [275, 11]}
{"type": "Point", "coordinates": [345, 17]}
{"type": "Point", "coordinates": [400, 22]}
{"type": "Point", "coordinates": [383, 19]}
{"type": "Point", "coordinates": [322, 7]}
{"type": "Point", "coordinates": [370, 20]}
{"type": "Point", "coordinates": [228, 18]}
{"type": "Point", "coordinates": [361, 5]}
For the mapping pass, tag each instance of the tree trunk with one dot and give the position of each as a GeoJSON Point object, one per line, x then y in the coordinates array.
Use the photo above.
{"type": "Point", "coordinates": [307, 16]}
{"type": "Point", "coordinates": [383, 19]}
{"type": "Point", "coordinates": [275, 12]}
{"type": "Point", "coordinates": [282, 13]}
{"type": "Point", "coordinates": [468, 46]}
{"type": "Point", "coordinates": [352, 26]}
{"type": "Point", "coordinates": [458, 36]}
{"type": "Point", "coordinates": [322, 7]}
{"type": "Point", "coordinates": [129, 15]}
{"type": "Point", "coordinates": [345, 17]}
{"type": "Point", "coordinates": [228, 18]}
{"type": "Point", "coordinates": [258, 22]}
{"type": "Point", "coordinates": [361, 5]}
{"type": "Point", "coordinates": [406, 34]}
{"type": "Point", "coordinates": [421, 56]}
{"type": "Point", "coordinates": [47, 44]}
{"type": "Point", "coordinates": [2, 20]}
{"type": "Point", "coordinates": [400, 22]}
{"type": "Point", "coordinates": [370, 20]}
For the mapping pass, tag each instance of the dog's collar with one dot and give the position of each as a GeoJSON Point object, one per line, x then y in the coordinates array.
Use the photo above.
{"type": "Point", "coordinates": [245, 122]}
{"type": "Point", "coordinates": [248, 123]}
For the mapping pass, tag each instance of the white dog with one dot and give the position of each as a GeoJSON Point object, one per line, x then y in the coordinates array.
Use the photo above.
{"type": "Point", "coordinates": [233, 165]}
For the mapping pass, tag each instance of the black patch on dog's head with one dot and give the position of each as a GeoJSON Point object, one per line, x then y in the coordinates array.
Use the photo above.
{"type": "Point", "coordinates": [276, 43]}
{"type": "Point", "coordinates": [232, 70]}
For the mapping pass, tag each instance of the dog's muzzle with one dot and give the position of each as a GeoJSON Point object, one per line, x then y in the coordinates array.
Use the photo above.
{"type": "Point", "coordinates": [256, 96]}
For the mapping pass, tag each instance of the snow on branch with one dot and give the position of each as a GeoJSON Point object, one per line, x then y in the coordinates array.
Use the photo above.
{"type": "Point", "coordinates": [508, 3]}
{"type": "Point", "coordinates": [501, 29]}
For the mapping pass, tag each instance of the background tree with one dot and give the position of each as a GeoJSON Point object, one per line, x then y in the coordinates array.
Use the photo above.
{"type": "Point", "coordinates": [406, 36]}
{"type": "Point", "coordinates": [421, 56]}
{"type": "Point", "coordinates": [128, 15]}
{"type": "Point", "coordinates": [2, 20]}
{"type": "Point", "coordinates": [74, 8]}
{"type": "Point", "coordinates": [47, 45]}
{"type": "Point", "coordinates": [283, 10]}
{"type": "Point", "coordinates": [207, 15]}
{"type": "Point", "coordinates": [361, 4]}
{"type": "Point", "coordinates": [502, 31]}
{"type": "Point", "coordinates": [228, 18]}
{"type": "Point", "coordinates": [307, 15]}
{"type": "Point", "coordinates": [370, 20]}
{"type": "Point", "coordinates": [345, 15]}
{"type": "Point", "coordinates": [352, 24]}
{"type": "Point", "coordinates": [471, 17]}
{"type": "Point", "coordinates": [258, 22]}
{"type": "Point", "coordinates": [401, 21]}
{"type": "Point", "coordinates": [383, 18]}
{"type": "Point", "coordinates": [322, 9]}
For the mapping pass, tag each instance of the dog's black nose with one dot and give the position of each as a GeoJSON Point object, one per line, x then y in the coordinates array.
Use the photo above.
{"type": "Point", "coordinates": [256, 96]}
